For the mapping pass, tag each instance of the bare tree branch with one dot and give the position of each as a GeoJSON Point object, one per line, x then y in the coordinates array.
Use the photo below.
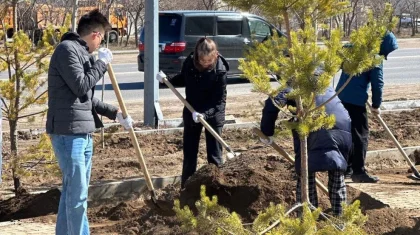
{"type": "Point", "coordinates": [32, 114]}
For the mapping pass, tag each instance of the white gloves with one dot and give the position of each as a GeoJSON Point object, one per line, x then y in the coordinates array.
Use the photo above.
{"type": "Point", "coordinates": [268, 141]}
{"type": "Point", "coordinates": [105, 55]}
{"type": "Point", "coordinates": [127, 123]}
{"type": "Point", "coordinates": [160, 76]}
{"type": "Point", "coordinates": [376, 111]}
{"type": "Point", "coordinates": [195, 116]}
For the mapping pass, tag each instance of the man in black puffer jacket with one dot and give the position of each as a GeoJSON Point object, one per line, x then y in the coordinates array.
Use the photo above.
{"type": "Point", "coordinates": [73, 115]}
{"type": "Point", "coordinates": [327, 149]}
{"type": "Point", "coordinates": [204, 75]}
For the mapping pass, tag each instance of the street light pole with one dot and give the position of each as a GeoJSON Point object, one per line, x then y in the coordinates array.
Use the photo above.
{"type": "Point", "coordinates": [151, 62]}
{"type": "Point", "coordinates": [74, 16]}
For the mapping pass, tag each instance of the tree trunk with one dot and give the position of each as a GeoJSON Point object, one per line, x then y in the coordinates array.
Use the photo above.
{"type": "Point", "coordinates": [15, 21]}
{"type": "Point", "coordinates": [345, 24]}
{"type": "Point", "coordinates": [136, 31]}
{"type": "Point", "coordinates": [350, 23]}
{"type": "Point", "coordinates": [330, 28]}
{"type": "Point", "coordinates": [122, 32]}
{"type": "Point", "coordinates": [304, 169]}
{"type": "Point", "coordinates": [14, 113]}
{"type": "Point", "coordinates": [128, 34]}
{"type": "Point", "coordinates": [337, 22]}
{"type": "Point", "coordinates": [64, 18]}
{"type": "Point", "coordinates": [14, 148]}
{"type": "Point", "coordinates": [413, 26]}
{"type": "Point", "coordinates": [303, 158]}
{"type": "Point", "coordinates": [399, 26]}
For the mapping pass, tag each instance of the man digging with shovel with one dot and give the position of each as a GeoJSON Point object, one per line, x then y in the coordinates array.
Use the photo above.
{"type": "Point", "coordinates": [73, 115]}
{"type": "Point", "coordinates": [327, 149]}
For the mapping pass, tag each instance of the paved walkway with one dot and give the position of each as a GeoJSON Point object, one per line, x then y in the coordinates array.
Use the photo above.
{"type": "Point", "coordinates": [25, 227]}
{"type": "Point", "coordinates": [394, 190]}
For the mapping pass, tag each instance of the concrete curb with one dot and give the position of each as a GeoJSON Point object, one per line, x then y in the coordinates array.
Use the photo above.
{"type": "Point", "coordinates": [386, 111]}
{"type": "Point", "coordinates": [388, 154]}
{"type": "Point", "coordinates": [179, 122]}
{"type": "Point", "coordinates": [396, 105]}
{"type": "Point", "coordinates": [124, 189]}
{"type": "Point", "coordinates": [181, 129]}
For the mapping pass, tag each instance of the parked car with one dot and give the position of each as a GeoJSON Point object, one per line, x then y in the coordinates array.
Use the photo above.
{"type": "Point", "coordinates": [406, 22]}
{"type": "Point", "coordinates": [179, 31]}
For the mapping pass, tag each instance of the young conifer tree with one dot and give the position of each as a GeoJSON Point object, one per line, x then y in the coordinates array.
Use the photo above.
{"type": "Point", "coordinates": [296, 57]}
{"type": "Point", "coordinates": [25, 87]}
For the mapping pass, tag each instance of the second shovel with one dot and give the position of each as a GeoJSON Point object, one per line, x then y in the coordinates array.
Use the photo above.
{"type": "Point", "coordinates": [230, 153]}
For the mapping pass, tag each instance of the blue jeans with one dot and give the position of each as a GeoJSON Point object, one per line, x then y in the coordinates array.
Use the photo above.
{"type": "Point", "coordinates": [74, 154]}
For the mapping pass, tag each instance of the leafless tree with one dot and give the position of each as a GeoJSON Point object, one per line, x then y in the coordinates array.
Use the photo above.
{"type": "Point", "coordinates": [412, 7]}
{"type": "Point", "coordinates": [181, 5]}
{"type": "Point", "coordinates": [347, 20]}
{"type": "Point", "coordinates": [211, 4]}
{"type": "Point", "coordinates": [399, 6]}
{"type": "Point", "coordinates": [135, 14]}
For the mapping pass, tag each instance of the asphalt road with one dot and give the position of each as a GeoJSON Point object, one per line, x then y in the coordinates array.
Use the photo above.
{"type": "Point", "coordinates": [402, 67]}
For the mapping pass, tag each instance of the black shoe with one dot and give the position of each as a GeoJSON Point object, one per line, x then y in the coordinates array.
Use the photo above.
{"type": "Point", "coordinates": [348, 173]}
{"type": "Point", "coordinates": [364, 178]}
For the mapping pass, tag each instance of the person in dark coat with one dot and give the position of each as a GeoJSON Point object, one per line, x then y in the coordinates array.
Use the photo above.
{"type": "Point", "coordinates": [72, 115]}
{"type": "Point", "coordinates": [354, 97]}
{"type": "Point", "coordinates": [203, 74]}
{"type": "Point", "coordinates": [327, 149]}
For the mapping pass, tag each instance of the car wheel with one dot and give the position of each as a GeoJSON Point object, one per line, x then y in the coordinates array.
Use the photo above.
{"type": "Point", "coordinates": [113, 37]}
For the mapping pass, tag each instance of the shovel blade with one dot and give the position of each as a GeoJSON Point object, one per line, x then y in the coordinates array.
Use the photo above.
{"type": "Point", "coordinates": [415, 175]}
{"type": "Point", "coordinates": [232, 155]}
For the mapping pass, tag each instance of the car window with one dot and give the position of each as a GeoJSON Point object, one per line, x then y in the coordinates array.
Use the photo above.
{"type": "Point", "coordinates": [229, 27]}
{"type": "Point", "coordinates": [259, 27]}
{"type": "Point", "coordinates": [201, 25]}
{"type": "Point", "coordinates": [169, 28]}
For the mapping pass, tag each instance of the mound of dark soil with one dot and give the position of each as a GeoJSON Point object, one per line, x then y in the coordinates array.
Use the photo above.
{"type": "Point", "coordinates": [247, 185]}
{"type": "Point", "coordinates": [28, 205]}
{"type": "Point", "coordinates": [123, 210]}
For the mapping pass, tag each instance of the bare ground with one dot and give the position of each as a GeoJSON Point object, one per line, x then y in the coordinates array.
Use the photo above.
{"type": "Point", "coordinates": [163, 153]}
{"type": "Point", "coordinates": [244, 108]}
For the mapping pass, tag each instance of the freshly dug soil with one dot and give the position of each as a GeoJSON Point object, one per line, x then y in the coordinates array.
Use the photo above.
{"type": "Point", "coordinates": [245, 188]}
{"type": "Point", "coordinates": [245, 185]}
{"type": "Point", "coordinates": [163, 153]}
{"type": "Point", "coordinates": [29, 206]}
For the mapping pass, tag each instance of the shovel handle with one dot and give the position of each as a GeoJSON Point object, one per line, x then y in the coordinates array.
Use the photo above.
{"type": "Point", "coordinates": [287, 156]}
{"type": "Point", "coordinates": [191, 109]}
{"type": "Point", "coordinates": [383, 124]}
{"type": "Point", "coordinates": [133, 136]}
{"type": "Point", "coordinates": [117, 91]}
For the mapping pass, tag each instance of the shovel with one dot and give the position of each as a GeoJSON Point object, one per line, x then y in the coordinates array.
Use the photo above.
{"type": "Point", "coordinates": [415, 175]}
{"type": "Point", "coordinates": [230, 153]}
{"type": "Point", "coordinates": [133, 136]}
{"type": "Point", "coordinates": [287, 156]}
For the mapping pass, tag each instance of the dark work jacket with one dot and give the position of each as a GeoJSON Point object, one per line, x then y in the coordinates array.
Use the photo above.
{"type": "Point", "coordinates": [356, 92]}
{"type": "Point", "coordinates": [72, 76]}
{"type": "Point", "coordinates": [205, 91]}
{"type": "Point", "coordinates": [327, 149]}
